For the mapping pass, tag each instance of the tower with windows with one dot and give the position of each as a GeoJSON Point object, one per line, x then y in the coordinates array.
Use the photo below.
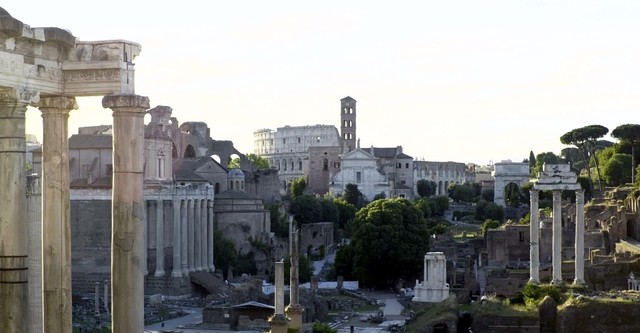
{"type": "Point", "coordinates": [348, 123]}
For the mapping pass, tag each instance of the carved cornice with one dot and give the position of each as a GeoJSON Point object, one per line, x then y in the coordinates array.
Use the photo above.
{"type": "Point", "coordinates": [64, 103]}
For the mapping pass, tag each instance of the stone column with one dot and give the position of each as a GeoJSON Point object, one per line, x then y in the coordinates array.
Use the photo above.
{"type": "Point", "coordinates": [106, 295]}
{"type": "Point", "coordinates": [34, 208]}
{"type": "Point", "coordinates": [159, 238]}
{"type": "Point", "coordinates": [557, 238]}
{"type": "Point", "coordinates": [56, 227]}
{"type": "Point", "coordinates": [579, 264]}
{"type": "Point", "coordinates": [184, 238]}
{"type": "Point", "coordinates": [191, 237]}
{"type": "Point", "coordinates": [196, 235]}
{"type": "Point", "coordinates": [14, 293]}
{"type": "Point", "coordinates": [294, 310]}
{"type": "Point", "coordinates": [204, 221]}
{"type": "Point", "coordinates": [279, 322]}
{"type": "Point", "coordinates": [210, 237]}
{"type": "Point", "coordinates": [176, 270]}
{"type": "Point", "coordinates": [426, 272]}
{"type": "Point", "coordinates": [127, 240]}
{"type": "Point", "coordinates": [534, 238]}
{"type": "Point", "coordinates": [145, 231]}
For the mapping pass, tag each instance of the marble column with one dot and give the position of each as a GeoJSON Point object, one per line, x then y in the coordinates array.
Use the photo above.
{"type": "Point", "coordinates": [14, 293]}
{"type": "Point", "coordinates": [196, 233]}
{"type": "Point", "coordinates": [204, 221]}
{"type": "Point", "coordinates": [159, 238]}
{"type": "Point", "coordinates": [556, 246]}
{"type": "Point", "coordinates": [56, 226]}
{"type": "Point", "coordinates": [176, 270]}
{"type": "Point", "coordinates": [534, 238]}
{"type": "Point", "coordinates": [127, 217]}
{"type": "Point", "coordinates": [294, 310]}
{"type": "Point", "coordinates": [190, 244]}
{"type": "Point", "coordinates": [184, 238]}
{"type": "Point", "coordinates": [210, 237]}
{"type": "Point", "coordinates": [279, 322]}
{"type": "Point", "coordinates": [579, 246]}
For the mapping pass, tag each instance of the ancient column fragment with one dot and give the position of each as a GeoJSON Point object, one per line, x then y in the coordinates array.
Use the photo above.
{"type": "Point", "coordinates": [14, 293]}
{"type": "Point", "coordinates": [159, 238]}
{"type": "Point", "coordinates": [127, 240]}
{"type": "Point", "coordinates": [579, 246]}
{"type": "Point", "coordinates": [176, 270]}
{"type": "Point", "coordinates": [534, 238]}
{"type": "Point", "coordinates": [56, 226]}
{"type": "Point", "coordinates": [294, 310]}
{"type": "Point", "coordinates": [204, 220]}
{"type": "Point", "coordinates": [557, 238]}
{"type": "Point", "coordinates": [145, 233]}
{"type": "Point", "coordinates": [279, 322]}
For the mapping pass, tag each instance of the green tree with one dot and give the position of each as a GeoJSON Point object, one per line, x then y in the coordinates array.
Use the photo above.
{"type": "Point", "coordinates": [343, 263]}
{"type": "Point", "coordinates": [532, 161]}
{"type": "Point", "coordinates": [258, 162]}
{"type": "Point", "coordinates": [426, 188]}
{"type": "Point", "coordinates": [573, 156]}
{"type": "Point", "coordinates": [353, 195]}
{"type": "Point", "coordinates": [513, 195]}
{"type": "Point", "coordinates": [423, 205]}
{"type": "Point", "coordinates": [279, 223]}
{"type": "Point", "coordinates": [629, 133]}
{"type": "Point", "coordinates": [226, 255]}
{"type": "Point", "coordinates": [441, 203]}
{"type": "Point", "coordinates": [545, 158]}
{"type": "Point", "coordinates": [464, 192]}
{"type": "Point", "coordinates": [389, 241]}
{"type": "Point", "coordinates": [319, 327]}
{"type": "Point", "coordinates": [617, 169]}
{"type": "Point", "coordinates": [298, 185]}
{"type": "Point", "coordinates": [585, 138]}
{"type": "Point", "coordinates": [487, 194]}
{"type": "Point", "coordinates": [489, 210]}
{"type": "Point", "coordinates": [489, 224]}
{"type": "Point", "coordinates": [379, 196]}
{"type": "Point", "coordinates": [329, 211]}
{"type": "Point", "coordinates": [346, 214]}
{"type": "Point", "coordinates": [306, 209]}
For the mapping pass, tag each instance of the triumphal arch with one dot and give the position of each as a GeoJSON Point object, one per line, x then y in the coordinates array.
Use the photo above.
{"type": "Point", "coordinates": [48, 68]}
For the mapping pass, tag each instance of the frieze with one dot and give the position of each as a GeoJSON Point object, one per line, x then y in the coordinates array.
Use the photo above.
{"type": "Point", "coordinates": [92, 75]}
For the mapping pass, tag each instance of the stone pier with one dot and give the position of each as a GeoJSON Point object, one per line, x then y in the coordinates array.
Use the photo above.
{"type": "Point", "coordinates": [127, 245]}
{"type": "Point", "coordinates": [434, 288]}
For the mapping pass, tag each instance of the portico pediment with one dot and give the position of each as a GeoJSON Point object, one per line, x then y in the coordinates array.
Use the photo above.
{"type": "Point", "coordinates": [51, 61]}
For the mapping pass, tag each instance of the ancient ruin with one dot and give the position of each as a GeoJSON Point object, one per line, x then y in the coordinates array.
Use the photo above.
{"type": "Point", "coordinates": [434, 288]}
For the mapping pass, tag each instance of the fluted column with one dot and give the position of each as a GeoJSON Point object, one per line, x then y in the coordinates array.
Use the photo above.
{"type": "Point", "coordinates": [210, 239]}
{"type": "Point", "coordinates": [204, 220]}
{"type": "Point", "coordinates": [579, 264]}
{"type": "Point", "coordinates": [56, 227]}
{"type": "Point", "coordinates": [14, 293]}
{"type": "Point", "coordinates": [557, 238]}
{"type": "Point", "coordinates": [159, 238]}
{"type": "Point", "coordinates": [184, 238]}
{"type": "Point", "coordinates": [190, 243]}
{"type": "Point", "coordinates": [127, 242]}
{"type": "Point", "coordinates": [534, 238]}
{"type": "Point", "coordinates": [176, 270]}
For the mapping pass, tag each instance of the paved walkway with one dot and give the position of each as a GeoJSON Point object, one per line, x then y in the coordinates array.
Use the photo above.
{"type": "Point", "coordinates": [194, 317]}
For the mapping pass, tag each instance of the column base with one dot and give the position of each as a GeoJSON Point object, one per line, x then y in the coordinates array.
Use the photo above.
{"type": "Point", "coordinates": [556, 282]}
{"type": "Point", "coordinates": [176, 273]}
{"type": "Point", "coordinates": [212, 268]}
{"type": "Point", "coordinates": [159, 274]}
{"type": "Point", "coordinates": [185, 272]}
{"type": "Point", "coordinates": [579, 282]}
{"type": "Point", "coordinates": [279, 323]}
{"type": "Point", "coordinates": [294, 312]}
{"type": "Point", "coordinates": [534, 281]}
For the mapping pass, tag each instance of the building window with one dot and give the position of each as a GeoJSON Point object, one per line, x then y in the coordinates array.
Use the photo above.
{"type": "Point", "coordinates": [284, 141]}
{"type": "Point", "coordinates": [299, 140]}
{"type": "Point", "coordinates": [358, 177]}
{"type": "Point", "coordinates": [299, 165]}
{"type": "Point", "coordinates": [325, 164]}
{"type": "Point", "coordinates": [399, 165]}
{"type": "Point", "coordinates": [407, 165]}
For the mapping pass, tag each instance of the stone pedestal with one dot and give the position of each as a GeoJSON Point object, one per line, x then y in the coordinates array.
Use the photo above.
{"type": "Point", "coordinates": [14, 293]}
{"type": "Point", "coordinates": [434, 287]}
{"type": "Point", "coordinates": [279, 323]}
{"type": "Point", "coordinates": [127, 244]}
{"type": "Point", "coordinates": [56, 225]}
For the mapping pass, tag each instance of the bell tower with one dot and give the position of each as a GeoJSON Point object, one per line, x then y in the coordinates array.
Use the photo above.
{"type": "Point", "coordinates": [348, 123]}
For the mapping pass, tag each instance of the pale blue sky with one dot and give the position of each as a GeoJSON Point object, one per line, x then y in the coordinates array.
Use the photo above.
{"type": "Point", "coordinates": [468, 81]}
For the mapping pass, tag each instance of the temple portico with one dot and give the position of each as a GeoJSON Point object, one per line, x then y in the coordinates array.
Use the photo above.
{"type": "Point", "coordinates": [48, 68]}
{"type": "Point", "coordinates": [556, 178]}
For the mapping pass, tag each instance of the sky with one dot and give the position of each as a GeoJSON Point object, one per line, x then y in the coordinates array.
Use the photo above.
{"type": "Point", "coordinates": [465, 81]}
